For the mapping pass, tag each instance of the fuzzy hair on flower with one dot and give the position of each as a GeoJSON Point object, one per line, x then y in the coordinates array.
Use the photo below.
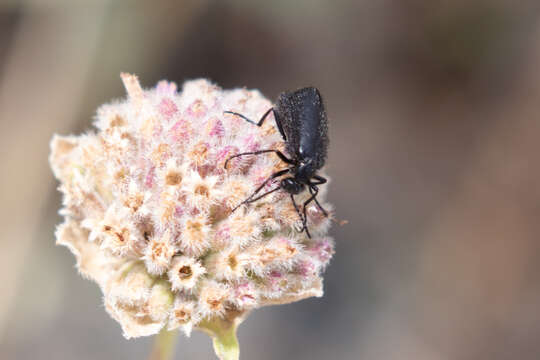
{"type": "Point", "coordinates": [148, 206]}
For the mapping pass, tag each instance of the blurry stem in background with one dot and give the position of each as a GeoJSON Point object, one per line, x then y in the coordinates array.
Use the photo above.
{"type": "Point", "coordinates": [41, 88]}
{"type": "Point", "coordinates": [164, 344]}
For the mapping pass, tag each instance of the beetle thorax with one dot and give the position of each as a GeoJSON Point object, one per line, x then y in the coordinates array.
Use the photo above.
{"type": "Point", "coordinates": [304, 172]}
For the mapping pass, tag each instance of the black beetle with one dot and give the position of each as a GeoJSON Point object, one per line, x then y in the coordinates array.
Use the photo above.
{"type": "Point", "coordinates": [301, 120]}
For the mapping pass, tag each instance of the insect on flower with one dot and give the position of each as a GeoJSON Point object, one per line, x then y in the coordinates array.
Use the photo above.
{"type": "Point", "coordinates": [147, 206]}
{"type": "Point", "coordinates": [302, 123]}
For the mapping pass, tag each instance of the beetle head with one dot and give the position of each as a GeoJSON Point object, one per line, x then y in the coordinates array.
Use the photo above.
{"type": "Point", "coordinates": [291, 185]}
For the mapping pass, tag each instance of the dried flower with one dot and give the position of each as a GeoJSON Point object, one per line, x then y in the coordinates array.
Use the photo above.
{"type": "Point", "coordinates": [147, 206]}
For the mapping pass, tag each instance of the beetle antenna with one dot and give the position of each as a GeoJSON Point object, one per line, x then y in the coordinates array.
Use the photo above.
{"type": "Point", "coordinates": [273, 176]}
{"type": "Point", "coordinates": [248, 201]}
{"type": "Point", "coordinates": [277, 152]}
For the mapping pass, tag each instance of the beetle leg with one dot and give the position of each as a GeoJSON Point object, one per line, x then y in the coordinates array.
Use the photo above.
{"type": "Point", "coordinates": [320, 180]}
{"type": "Point", "coordinates": [277, 152]}
{"type": "Point", "coordinates": [261, 120]}
{"type": "Point", "coordinates": [273, 176]}
{"type": "Point", "coordinates": [312, 184]}
{"type": "Point", "coordinates": [313, 190]}
{"type": "Point", "coordinates": [300, 216]}
{"type": "Point", "coordinates": [317, 201]}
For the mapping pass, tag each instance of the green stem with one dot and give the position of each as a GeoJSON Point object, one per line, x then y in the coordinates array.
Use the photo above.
{"type": "Point", "coordinates": [164, 343]}
{"type": "Point", "coordinates": [223, 333]}
{"type": "Point", "coordinates": [226, 345]}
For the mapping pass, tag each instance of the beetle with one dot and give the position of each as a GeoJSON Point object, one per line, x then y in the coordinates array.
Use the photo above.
{"type": "Point", "coordinates": [301, 120]}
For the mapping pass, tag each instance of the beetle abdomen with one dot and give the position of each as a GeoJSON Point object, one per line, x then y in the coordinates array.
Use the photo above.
{"type": "Point", "coordinates": [305, 125]}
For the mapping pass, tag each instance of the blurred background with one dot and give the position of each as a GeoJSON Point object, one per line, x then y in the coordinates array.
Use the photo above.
{"type": "Point", "coordinates": [434, 111]}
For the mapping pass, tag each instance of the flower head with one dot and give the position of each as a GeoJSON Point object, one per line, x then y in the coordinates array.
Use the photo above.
{"type": "Point", "coordinates": [148, 209]}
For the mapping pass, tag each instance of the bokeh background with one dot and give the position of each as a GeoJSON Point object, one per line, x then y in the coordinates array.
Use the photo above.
{"type": "Point", "coordinates": [434, 111]}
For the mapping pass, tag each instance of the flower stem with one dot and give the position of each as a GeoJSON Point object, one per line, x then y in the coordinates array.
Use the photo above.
{"type": "Point", "coordinates": [164, 343]}
{"type": "Point", "coordinates": [226, 345]}
{"type": "Point", "coordinates": [223, 333]}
